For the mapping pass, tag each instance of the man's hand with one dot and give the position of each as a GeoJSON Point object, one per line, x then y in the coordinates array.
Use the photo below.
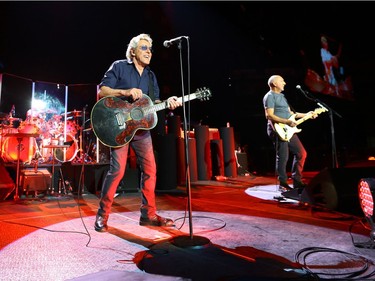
{"type": "Point", "coordinates": [173, 103]}
{"type": "Point", "coordinates": [134, 93]}
{"type": "Point", "coordinates": [313, 114]}
{"type": "Point", "coordinates": [291, 123]}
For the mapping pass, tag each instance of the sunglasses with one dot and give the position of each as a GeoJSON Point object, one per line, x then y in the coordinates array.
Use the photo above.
{"type": "Point", "coordinates": [145, 48]}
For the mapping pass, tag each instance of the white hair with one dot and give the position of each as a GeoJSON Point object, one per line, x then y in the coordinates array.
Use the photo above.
{"type": "Point", "coordinates": [133, 44]}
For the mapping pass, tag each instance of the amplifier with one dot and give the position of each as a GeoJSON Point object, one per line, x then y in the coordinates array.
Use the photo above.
{"type": "Point", "coordinates": [39, 180]}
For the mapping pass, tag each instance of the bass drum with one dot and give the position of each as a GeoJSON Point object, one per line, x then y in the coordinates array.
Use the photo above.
{"type": "Point", "coordinates": [67, 154]}
{"type": "Point", "coordinates": [10, 149]}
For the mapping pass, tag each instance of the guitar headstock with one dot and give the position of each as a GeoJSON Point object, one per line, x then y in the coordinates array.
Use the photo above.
{"type": "Point", "coordinates": [203, 93]}
{"type": "Point", "coordinates": [320, 110]}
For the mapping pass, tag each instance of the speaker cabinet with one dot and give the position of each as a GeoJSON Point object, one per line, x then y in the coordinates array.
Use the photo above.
{"type": "Point", "coordinates": [337, 189]}
{"type": "Point", "coordinates": [217, 157]}
{"type": "Point", "coordinates": [230, 164]}
{"type": "Point", "coordinates": [6, 183]}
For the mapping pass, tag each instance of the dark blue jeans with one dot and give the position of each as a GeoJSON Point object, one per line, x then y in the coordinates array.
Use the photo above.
{"type": "Point", "coordinates": [146, 160]}
{"type": "Point", "coordinates": [283, 148]}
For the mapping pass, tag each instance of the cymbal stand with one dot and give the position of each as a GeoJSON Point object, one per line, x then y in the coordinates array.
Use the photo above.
{"type": "Point", "coordinates": [1, 141]}
{"type": "Point", "coordinates": [37, 155]}
{"type": "Point", "coordinates": [16, 196]}
{"type": "Point", "coordinates": [62, 184]}
{"type": "Point", "coordinates": [62, 146]}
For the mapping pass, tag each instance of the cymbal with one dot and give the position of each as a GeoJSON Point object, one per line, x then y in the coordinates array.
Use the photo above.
{"type": "Point", "coordinates": [14, 119]}
{"type": "Point", "coordinates": [22, 135]}
{"type": "Point", "coordinates": [50, 111]}
{"type": "Point", "coordinates": [57, 146]}
{"type": "Point", "coordinates": [7, 118]}
{"type": "Point", "coordinates": [74, 113]}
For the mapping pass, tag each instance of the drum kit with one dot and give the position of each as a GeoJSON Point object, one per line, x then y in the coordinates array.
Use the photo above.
{"type": "Point", "coordinates": [43, 140]}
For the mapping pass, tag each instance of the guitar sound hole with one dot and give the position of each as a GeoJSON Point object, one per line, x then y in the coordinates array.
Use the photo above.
{"type": "Point", "coordinates": [136, 114]}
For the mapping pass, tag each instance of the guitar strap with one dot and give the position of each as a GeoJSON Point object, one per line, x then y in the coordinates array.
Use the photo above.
{"type": "Point", "coordinates": [151, 86]}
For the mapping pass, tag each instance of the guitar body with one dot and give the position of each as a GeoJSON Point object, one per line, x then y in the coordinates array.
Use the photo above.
{"type": "Point", "coordinates": [286, 132]}
{"type": "Point", "coordinates": [115, 121]}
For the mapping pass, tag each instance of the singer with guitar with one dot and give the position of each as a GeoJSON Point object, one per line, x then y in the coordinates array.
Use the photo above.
{"type": "Point", "coordinates": [130, 79]}
{"type": "Point", "coordinates": [280, 116]}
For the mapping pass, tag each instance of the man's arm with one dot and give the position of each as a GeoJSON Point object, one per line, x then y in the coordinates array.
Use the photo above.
{"type": "Point", "coordinates": [106, 91]}
{"type": "Point", "coordinates": [269, 112]}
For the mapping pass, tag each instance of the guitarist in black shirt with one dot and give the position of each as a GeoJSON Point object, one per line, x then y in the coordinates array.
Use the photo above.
{"type": "Point", "coordinates": [278, 113]}
{"type": "Point", "coordinates": [130, 79]}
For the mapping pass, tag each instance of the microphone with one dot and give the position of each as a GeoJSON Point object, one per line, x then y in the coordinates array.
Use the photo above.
{"type": "Point", "coordinates": [298, 87]}
{"type": "Point", "coordinates": [168, 43]}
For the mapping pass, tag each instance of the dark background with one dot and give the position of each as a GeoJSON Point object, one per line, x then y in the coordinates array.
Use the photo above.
{"type": "Point", "coordinates": [233, 49]}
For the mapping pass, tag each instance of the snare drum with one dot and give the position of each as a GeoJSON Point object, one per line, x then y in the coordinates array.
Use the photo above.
{"type": "Point", "coordinates": [67, 154]}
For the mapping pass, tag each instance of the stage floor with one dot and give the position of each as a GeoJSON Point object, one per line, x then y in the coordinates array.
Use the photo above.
{"type": "Point", "coordinates": [236, 229]}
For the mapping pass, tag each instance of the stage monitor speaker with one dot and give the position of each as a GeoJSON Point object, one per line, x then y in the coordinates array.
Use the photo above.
{"type": "Point", "coordinates": [166, 160]}
{"type": "Point", "coordinates": [6, 183]}
{"type": "Point", "coordinates": [337, 189]}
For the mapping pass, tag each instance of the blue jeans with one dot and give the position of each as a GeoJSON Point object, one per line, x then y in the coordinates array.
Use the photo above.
{"type": "Point", "coordinates": [144, 152]}
{"type": "Point", "coordinates": [283, 148]}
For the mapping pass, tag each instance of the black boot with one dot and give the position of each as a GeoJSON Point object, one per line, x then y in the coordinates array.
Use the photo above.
{"type": "Point", "coordinates": [284, 186]}
{"type": "Point", "coordinates": [101, 223]}
{"type": "Point", "coordinates": [299, 184]}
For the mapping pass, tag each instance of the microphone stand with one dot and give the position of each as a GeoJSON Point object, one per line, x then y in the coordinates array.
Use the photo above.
{"type": "Point", "coordinates": [330, 112]}
{"type": "Point", "coordinates": [190, 241]}
{"type": "Point", "coordinates": [81, 187]}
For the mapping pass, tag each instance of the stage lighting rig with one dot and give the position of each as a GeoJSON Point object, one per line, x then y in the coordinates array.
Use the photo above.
{"type": "Point", "coordinates": [366, 192]}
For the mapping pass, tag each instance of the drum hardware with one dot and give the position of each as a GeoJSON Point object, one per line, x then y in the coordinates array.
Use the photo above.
{"type": "Point", "coordinates": [54, 147]}
{"type": "Point", "coordinates": [38, 157]}
{"type": "Point", "coordinates": [11, 119]}
{"type": "Point", "coordinates": [68, 153]}
{"type": "Point", "coordinates": [65, 186]}
{"type": "Point", "coordinates": [74, 114]}
{"type": "Point", "coordinates": [19, 137]}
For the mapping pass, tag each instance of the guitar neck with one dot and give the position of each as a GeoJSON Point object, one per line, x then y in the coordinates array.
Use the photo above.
{"type": "Point", "coordinates": [310, 115]}
{"type": "Point", "coordinates": [303, 119]}
{"type": "Point", "coordinates": [163, 105]}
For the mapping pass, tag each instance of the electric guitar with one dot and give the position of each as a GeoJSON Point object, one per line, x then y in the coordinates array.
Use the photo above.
{"type": "Point", "coordinates": [115, 121]}
{"type": "Point", "coordinates": [286, 132]}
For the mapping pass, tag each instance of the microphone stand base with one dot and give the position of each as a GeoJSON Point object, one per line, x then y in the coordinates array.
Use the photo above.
{"type": "Point", "coordinates": [191, 242]}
